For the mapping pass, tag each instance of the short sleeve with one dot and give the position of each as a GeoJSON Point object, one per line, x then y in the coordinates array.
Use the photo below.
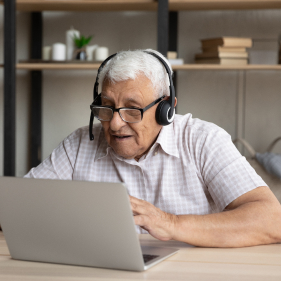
{"type": "Point", "coordinates": [60, 164]}
{"type": "Point", "coordinates": [226, 173]}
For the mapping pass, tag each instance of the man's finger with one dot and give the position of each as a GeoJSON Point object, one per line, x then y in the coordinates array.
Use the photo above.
{"type": "Point", "coordinates": [142, 220]}
{"type": "Point", "coordinates": [139, 206]}
{"type": "Point", "coordinates": [141, 209]}
{"type": "Point", "coordinates": [135, 200]}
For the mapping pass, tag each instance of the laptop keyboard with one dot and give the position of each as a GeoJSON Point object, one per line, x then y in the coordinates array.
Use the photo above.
{"type": "Point", "coordinates": [147, 258]}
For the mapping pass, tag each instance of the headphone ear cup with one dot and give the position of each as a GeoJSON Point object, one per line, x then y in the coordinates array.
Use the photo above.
{"type": "Point", "coordinates": [162, 113]}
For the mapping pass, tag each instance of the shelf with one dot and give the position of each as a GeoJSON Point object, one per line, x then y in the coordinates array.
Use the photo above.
{"type": "Point", "coordinates": [143, 5]}
{"type": "Point", "coordinates": [226, 67]}
{"type": "Point", "coordinates": [95, 66]}
{"type": "Point", "coordinates": [57, 66]}
{"type": "Point", "coordinates": [86, 5]}
{"type": "Point", "coordinates": [179, 5]}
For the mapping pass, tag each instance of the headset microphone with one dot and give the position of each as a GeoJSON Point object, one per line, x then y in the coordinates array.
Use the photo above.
{"type": "Point", "coordinates": [165, 111]}
{"type": "Point", "coordinates": [90, 126]}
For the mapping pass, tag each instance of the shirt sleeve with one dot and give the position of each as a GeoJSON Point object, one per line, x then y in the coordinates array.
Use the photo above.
{"type": "Point", "coordinates": [59, 165]}
{"type": "Point", "coordinates": [226, 173]}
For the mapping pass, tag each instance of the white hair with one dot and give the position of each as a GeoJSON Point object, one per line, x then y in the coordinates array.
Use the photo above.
{"type": "Point", "coordinates": [130, 64]}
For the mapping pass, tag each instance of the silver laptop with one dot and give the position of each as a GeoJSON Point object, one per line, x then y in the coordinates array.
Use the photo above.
{"type": "Point", "coordinates": [73, 222]}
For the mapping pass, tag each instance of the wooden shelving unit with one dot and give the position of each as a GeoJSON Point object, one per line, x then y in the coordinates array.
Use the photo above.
{"type": "Point", "coordinates": [184, 67]}
{"type": "Point", "coordinates": [86, 5]}
{"type": "Point", "coordinates": [58, 66]}
{"type": "Point", "coordinates": [148, 5]}
{"type": "Point", "coordinates": [180, 5]}
{"type": "Point", "coordinates": [226, 67]}
{"type": "Point", "coordinates": [36, 7]}
{"type": "Point", "coordinates": [164, 31]}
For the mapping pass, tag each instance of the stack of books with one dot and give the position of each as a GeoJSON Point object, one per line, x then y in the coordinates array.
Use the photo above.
{"type": "Point", "coordinates": [224, 50]}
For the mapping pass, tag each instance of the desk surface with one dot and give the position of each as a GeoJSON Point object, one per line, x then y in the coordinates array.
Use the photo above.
{"type": "Point", "coordinates": [190, 263]}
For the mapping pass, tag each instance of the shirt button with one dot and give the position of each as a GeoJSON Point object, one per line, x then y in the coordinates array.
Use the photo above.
{"type": "Point", "coordinates": [155, 153]}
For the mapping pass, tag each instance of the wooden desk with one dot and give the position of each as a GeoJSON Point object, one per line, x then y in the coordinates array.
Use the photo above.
{"type": "Point", "coordinates": [190, 263]}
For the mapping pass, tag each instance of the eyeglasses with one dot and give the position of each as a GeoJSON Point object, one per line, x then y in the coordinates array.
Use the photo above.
{"type": "Point", "coordinates": [127, 114]}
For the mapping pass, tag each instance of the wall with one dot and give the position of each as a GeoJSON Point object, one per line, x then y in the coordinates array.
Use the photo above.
{"type": "Point", "coordinates": [208, 95]}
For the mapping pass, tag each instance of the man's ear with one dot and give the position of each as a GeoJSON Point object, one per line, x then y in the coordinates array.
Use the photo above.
{"type": "Point", "coordinates": [167, 98]}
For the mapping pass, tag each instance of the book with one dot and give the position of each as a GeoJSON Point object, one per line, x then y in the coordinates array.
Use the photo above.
{"type": "Point", "coordinates": [223, 61]}
{"type": "Point", "coordinates": [172, 55]}
{"type": "Point", "coordinates": [224, 49]}
{"type": "Point", "coordinates": [227, 42]}
{"type": "Point", "coordinates": [222, 55]}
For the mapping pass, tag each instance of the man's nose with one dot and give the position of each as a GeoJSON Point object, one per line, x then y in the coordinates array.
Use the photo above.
{"type": "Point", "coordinates": [116, 123]}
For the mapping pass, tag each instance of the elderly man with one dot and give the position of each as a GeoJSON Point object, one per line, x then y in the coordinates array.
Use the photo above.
{"type": "Point", "coordinates": [186, 180]}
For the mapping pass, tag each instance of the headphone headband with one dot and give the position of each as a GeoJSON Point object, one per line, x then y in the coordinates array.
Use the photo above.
{"type": "Point", "coordinates": [96, 87]}
{"type": "Point", "coordinates": [171, 86]}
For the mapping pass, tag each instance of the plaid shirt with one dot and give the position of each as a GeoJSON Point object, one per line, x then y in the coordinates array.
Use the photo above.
{"type": "Point", "coordinates": [192, 168]}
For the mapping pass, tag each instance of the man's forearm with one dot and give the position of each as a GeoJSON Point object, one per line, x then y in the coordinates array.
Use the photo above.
{"type": "Point", "coordinates": [251, 224]}
{"type": "Point", "coordinates": [253, 218]}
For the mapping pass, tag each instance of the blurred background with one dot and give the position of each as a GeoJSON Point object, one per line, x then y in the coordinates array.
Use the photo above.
{"type": "Point", "coordinates": [211, 95]}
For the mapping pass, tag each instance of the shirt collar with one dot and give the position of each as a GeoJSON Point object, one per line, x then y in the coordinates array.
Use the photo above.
{"type": "Point", "coordinates": [167, 140]}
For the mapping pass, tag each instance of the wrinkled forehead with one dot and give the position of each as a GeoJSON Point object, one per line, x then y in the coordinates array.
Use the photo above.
{"type": "Point", "coordinates": [140, 88]}
{"type": "Point", "coordinates": [139, 78]}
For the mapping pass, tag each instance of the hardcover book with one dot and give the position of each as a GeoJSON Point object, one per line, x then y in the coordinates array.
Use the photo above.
{"type": "Point", "coordinates": [224, 49]}
{"type": "Point", "coordinates": [221, 55]}
{"type": "Point", "coordinates": [227, 42]}
{"type": "Point", "coordinates": [223, 61]}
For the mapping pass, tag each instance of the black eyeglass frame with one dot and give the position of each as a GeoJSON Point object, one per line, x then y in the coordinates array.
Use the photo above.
{"type": "Point", "coordinates": [142, 110]}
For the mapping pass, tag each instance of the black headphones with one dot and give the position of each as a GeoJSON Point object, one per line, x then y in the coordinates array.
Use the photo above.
{"type": "Point", "coordinates": [164, 115]}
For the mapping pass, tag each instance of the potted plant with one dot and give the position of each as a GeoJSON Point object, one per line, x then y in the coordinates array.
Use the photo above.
{"type": "Point", "coordinates": [81, 43]}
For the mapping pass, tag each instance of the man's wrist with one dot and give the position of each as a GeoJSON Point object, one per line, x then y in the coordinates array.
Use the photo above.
{"type": "Point", "coordinates": [174, 226]}
{"type": "Point", "coordinates": [183, 228]}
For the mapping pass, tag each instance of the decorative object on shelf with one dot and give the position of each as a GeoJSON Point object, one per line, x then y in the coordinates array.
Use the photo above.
{"type": "Point", "coordinates": [264, 51]}
{"type": "Point", "coordinates": [90, 50]}
{"type": "Point", "coordinates": [101, 53]}
{"type": "Point", "coordinates": [176, 61]}
{"type": "Point", "coordinates": [173, 58]}
{"type": "Point", "coordinates": [224, 50]}
{"type": "Point", "coordinates": [81, 43]}
{"type": "Point", "coordinates": [70, 45]}
{"type": "Point", "coordinates": [59, 52]}
{"type": "Point", "coordinates": [47, 53]}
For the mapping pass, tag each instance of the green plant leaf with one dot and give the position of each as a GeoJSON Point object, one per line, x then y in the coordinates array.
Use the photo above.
{"type": "Point", "coordinates": [76, 40]}
{"type": "Point", "coordinates": [82, 41]}
{"type": "Point", "coordinates": [88, 40]}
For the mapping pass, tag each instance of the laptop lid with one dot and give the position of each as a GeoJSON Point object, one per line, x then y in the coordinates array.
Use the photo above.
{"type": "Point", "coordinates": [71, 222]}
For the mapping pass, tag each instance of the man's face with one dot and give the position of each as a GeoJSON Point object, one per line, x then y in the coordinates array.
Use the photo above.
{"type": "Point", "coordinates": [130, 140]}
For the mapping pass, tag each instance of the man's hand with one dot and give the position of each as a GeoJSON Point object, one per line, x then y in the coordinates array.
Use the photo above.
{"type": "Point", "coordinates": [159, 224]}
{"type": "Point", "coordinates": [254, 218]}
